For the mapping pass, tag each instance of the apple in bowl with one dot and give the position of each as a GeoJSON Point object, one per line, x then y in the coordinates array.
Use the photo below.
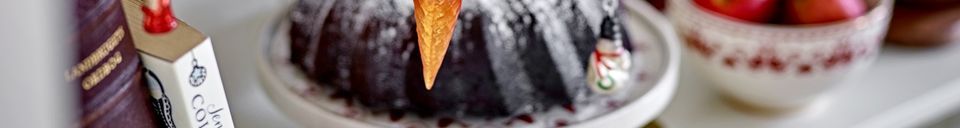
{"type": "Point", "coordinates": [748, 10]}
{"type": "Point", "coordinates": [822, 11]}
{"type": "Point", "coordinates": [791, 11]}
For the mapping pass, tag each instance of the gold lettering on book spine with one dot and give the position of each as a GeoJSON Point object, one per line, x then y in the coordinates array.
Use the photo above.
{"type": "Point", "coordinates": [97, 55]}
{"type": "Point", "coordinates": [103, 71]}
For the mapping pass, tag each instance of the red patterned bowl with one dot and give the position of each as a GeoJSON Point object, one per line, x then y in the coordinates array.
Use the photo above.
{"type": "Point", "coordinates": [778, 66]}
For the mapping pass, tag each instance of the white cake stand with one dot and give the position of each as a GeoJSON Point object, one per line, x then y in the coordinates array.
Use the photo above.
{"type": "Point", "coordinates": [654, 41]}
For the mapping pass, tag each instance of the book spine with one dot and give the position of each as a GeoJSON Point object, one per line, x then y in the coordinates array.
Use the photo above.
{"type": "Point", "coordinates": [106, 72]}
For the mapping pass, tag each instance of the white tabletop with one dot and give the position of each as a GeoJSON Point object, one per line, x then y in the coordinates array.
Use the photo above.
{"type": "Point", "coordinates": [905, 87]}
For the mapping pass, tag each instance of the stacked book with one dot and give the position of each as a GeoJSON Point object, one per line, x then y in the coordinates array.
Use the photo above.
{"type": "Point", "coordinates": [129, 76]}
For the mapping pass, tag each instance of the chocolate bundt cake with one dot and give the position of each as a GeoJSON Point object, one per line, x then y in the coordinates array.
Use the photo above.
{"type": "Point", "coordinates": [507, 57]}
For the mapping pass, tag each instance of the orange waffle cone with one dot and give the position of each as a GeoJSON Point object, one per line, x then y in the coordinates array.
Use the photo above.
{"type": "Point", "coordinates": [435, 22]}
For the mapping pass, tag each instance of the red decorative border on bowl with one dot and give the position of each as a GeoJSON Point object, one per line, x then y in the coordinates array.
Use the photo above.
{"type": "Point", "coordinates": [772, 60]}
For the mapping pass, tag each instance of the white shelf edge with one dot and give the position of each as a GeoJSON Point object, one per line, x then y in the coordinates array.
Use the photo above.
{"type": "Point", "coordinates": [919, 111]}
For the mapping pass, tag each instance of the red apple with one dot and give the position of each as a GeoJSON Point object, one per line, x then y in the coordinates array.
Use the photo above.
{"type": "Point", "coordinates": [659, 4]}
{"type": "Point", "coordinates": [750, 10]}
{"type": "Point", "coordinates": [822, 11]}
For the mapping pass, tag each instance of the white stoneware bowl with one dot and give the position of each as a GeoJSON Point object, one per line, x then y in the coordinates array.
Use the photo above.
{"type": "Point", "coordinates": [778, 66]}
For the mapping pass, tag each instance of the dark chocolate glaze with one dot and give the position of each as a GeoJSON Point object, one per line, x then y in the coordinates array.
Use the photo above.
{"type": "Point", "coordinates": [506, 58]}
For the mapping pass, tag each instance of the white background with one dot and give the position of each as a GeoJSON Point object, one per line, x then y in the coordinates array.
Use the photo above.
{"type": "Point", "coordinates": [235, 27]}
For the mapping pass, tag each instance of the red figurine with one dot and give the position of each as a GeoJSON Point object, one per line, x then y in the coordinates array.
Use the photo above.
{"type": "Point", "coordinates": [158, 17]}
